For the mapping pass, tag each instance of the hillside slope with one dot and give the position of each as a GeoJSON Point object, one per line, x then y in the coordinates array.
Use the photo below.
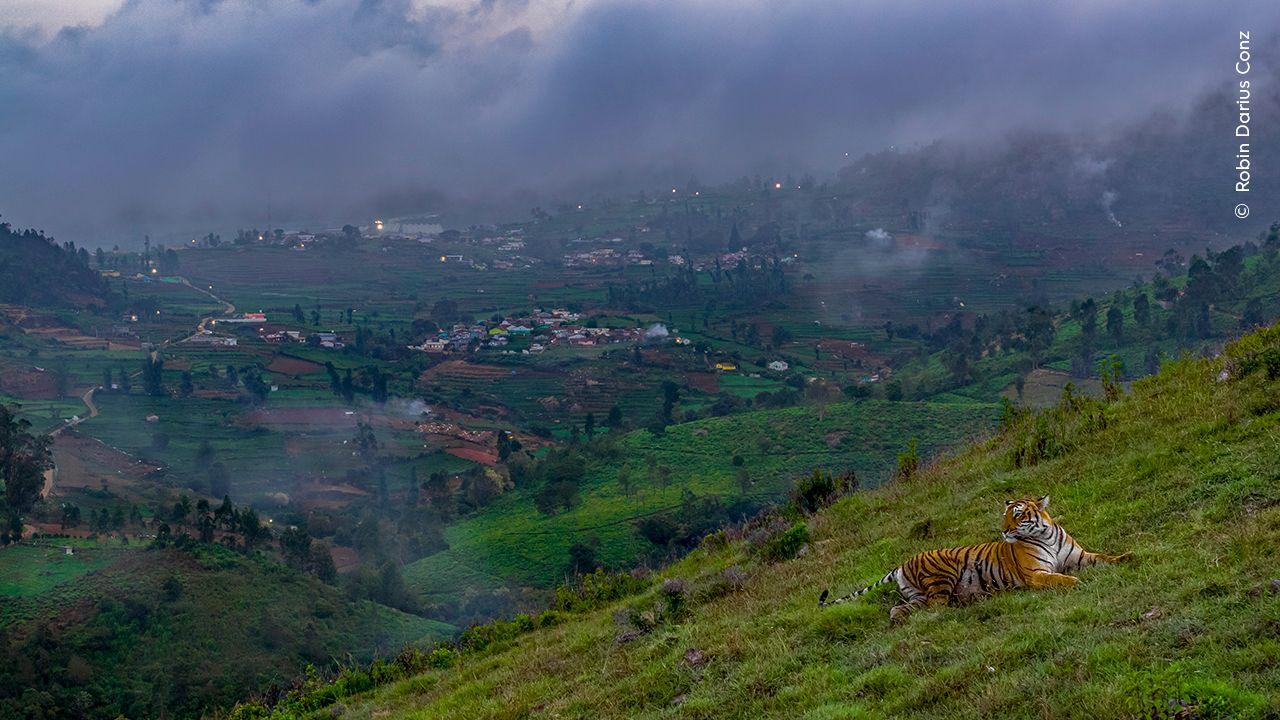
{"type": "Point", "coordinates": [117, 630]}
{"type": "Point", "coordinates": [510, 541]}
{"type": "Point", "coordinates": [1182, 473]}
{"type": "Point", "coordinates": [38, 271]}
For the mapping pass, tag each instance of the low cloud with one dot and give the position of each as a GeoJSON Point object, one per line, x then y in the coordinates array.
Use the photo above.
{"type": "Point", "coordinates": [181, 116]}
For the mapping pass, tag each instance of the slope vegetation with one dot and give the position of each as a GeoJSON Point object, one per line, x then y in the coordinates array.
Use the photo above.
{"type": "Point", "coordinates": [114, 630]}
{"type": "Point", "coordinates": [512, 541]}
{"type": "Point", "coordinates": [1181, 472]}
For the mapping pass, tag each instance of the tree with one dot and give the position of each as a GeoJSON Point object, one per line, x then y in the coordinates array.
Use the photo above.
{"type": "Point", "coordinates": [298, 316]}
{"type": "Point", "coordinates": [781, 336]}
{"type": "Point", "coordinates": [1088, 317]}
{"type": "Point", "coordinates": [670, 395]}
{"type": "Point", "coordinates": [126, 383]}
{"type": "Point", "coordinates": [1115, 323]}
{"type": "Point", "coordinates": [322, 563]}
{"type": "Point", "coordinates": [295, 545]}
{"type": "Point", "coordinates": [615, 418]}
{"type": "Point", "coordinates": [182, 509]}
{"type": "Point", "coordinates": [24, 457]}
{"type": "Point", "coordinates": [186, 387]}
{"type": "Point", "coordinates": [251, 528]}
{"type": "Point", "coordinates": [225, 515]}
{"type": "Point", "coordinates": [255, 385]}
{"type": "Point", "coordinates": [625, 482]}
{"type": "Point", "coordinates": [589, 425]}
{"type": "Point", "coordinates": [582, 558]}
{"type": "Point", "coordinates": [744, 480]}
{"type": "Point", "coordinates": [365, 442]}
{"type": "Point", "coordinates": [1141, 309]}
{"type": "Point", "coordinates": [893, 390]}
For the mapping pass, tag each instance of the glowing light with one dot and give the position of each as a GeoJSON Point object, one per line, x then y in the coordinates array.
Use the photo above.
{"type": "Point", "coordinates": [673, 189]}
{"type": "Point", "coordinates": [579, 207]}
{"type": "Point", "coordinates": [378, 224]}
{"type": "Point", "coordinates": [442, 258]}
{"type": "Point", "coordinates": [777, 186]}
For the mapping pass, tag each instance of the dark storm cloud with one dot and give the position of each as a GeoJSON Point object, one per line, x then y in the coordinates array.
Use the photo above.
{"type": "Point", "coordinates": [193, 114]}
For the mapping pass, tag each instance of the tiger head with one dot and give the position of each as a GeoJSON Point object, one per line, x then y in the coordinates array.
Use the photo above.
{"type": "Point", "coordinates": [1027, 517]}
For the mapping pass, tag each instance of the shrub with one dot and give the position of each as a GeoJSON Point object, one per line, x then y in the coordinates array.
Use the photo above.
{"type": "Point", "coordinates": [908, 461]}
{"type": "Point", "coordinates": [596, 589]}
{"type": "Point", "coordinates": [675, 596]}
{"type": "Point", "coordinates": [786, 544]}
{"type": "Point", "coordinates": [819, 489]}
{"type": "Point", "coordinates": [1258, 351]}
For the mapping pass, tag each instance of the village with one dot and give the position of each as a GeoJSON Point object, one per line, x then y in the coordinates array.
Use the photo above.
{"type": "Point", "coordinates": [543, 329]}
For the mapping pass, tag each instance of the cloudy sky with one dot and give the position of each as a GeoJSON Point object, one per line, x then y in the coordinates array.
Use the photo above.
{"type": "Point", "coordinates": [180, 116]}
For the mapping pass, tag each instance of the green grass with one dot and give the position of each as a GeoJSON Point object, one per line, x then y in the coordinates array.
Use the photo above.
{"type": "Point", "coordinates": [512, 540]}
{"type": "Point", "coordinates": [170, 633]}
{"type": "Point", "coordinates": [30, 569]}
{"type": "Point", "coordinates": [1182, 473]}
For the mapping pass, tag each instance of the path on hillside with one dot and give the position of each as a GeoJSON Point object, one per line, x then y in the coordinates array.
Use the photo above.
{"type": "Point", "coordinates": [227, 306]}
{"type": "Point", "coordinates": [87, 398]}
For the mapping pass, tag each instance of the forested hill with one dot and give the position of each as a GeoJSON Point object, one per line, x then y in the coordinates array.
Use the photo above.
{"type": "Point", "coordinates": [39, 271]}
{"type": "Point", "coordinates": [1037, 187]}
{"type": "Point", "coordinates": [1180, 471]}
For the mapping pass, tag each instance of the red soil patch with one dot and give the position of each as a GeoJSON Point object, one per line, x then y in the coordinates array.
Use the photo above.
{"type": "Point", "coordinates": [473, 454]}
{"type": "Point", "coordinates": [466, 370]}
{"type": "Point", "coordinates": [293, 366]}
{"type": "Point", "coordinates": [28, 383]}
{"type": "Point", "coordinates": [329, 496]}
{"type": "Point", "coordinates": [84, 462]}
{"type": "Point", "coordinates": [703, 382]}
{"type": "Point", "coordinates": [345, 559]}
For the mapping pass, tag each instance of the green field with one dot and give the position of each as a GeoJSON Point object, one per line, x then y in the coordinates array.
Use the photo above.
{"type": "Point", "coordinates": [511, 541]}
{"type": "Point", "coordinates": [171, 632]}
{"type": "Point", "coordinates": [1181, 473]}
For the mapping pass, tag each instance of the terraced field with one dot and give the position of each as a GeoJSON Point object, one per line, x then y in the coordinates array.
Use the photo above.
{"type": "Point", "coordinates": [510, 541]}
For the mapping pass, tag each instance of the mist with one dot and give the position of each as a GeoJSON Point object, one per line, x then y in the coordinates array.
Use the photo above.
{"type": "Point", "coordinates": [177, 117]}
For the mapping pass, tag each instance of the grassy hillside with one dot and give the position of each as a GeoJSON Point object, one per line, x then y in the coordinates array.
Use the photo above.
{"type": "Point", "coordinates": [118, 630]}
{"type": "Point", "coordinates": [511, 540]}
{"type": "Point", "coordinates": [1182, 473]}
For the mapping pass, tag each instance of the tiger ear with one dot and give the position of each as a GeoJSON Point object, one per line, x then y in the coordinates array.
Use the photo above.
{"type": "Point", "coordinates": [1044, 502]}
{"type": "Point", "coordinates": [1007, 503]}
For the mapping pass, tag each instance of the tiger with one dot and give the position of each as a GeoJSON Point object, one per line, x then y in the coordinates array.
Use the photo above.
{"type": "Point", "coordinates": [1033, 552]}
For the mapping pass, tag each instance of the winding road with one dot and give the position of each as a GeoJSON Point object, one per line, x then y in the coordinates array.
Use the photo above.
{"type": "Point", "coordinates": [87, 398]}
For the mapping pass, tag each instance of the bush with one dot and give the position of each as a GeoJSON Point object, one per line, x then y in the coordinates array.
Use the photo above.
{"type": "Point", "coordinates": [819, 489]}
{"type": "Point", "coordinates": [597, 589]}
{"type": "Point", "coordinates": [1259, 351]}
{"type": "Point", "coordinates": [908, 461]}
{"type": "Point", "coordinates": [786, 544]}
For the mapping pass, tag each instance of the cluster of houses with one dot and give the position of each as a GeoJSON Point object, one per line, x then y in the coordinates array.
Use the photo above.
{"type": "Point", "coordinates": [544, 329]}
{"type": "Point", "coordinates": [449, 429]}
{"type": "Point", "coordinates": [610, 256]}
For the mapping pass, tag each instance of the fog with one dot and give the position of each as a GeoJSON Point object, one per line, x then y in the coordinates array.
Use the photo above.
{"type": "Point", "coordinates": [176, 117]}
